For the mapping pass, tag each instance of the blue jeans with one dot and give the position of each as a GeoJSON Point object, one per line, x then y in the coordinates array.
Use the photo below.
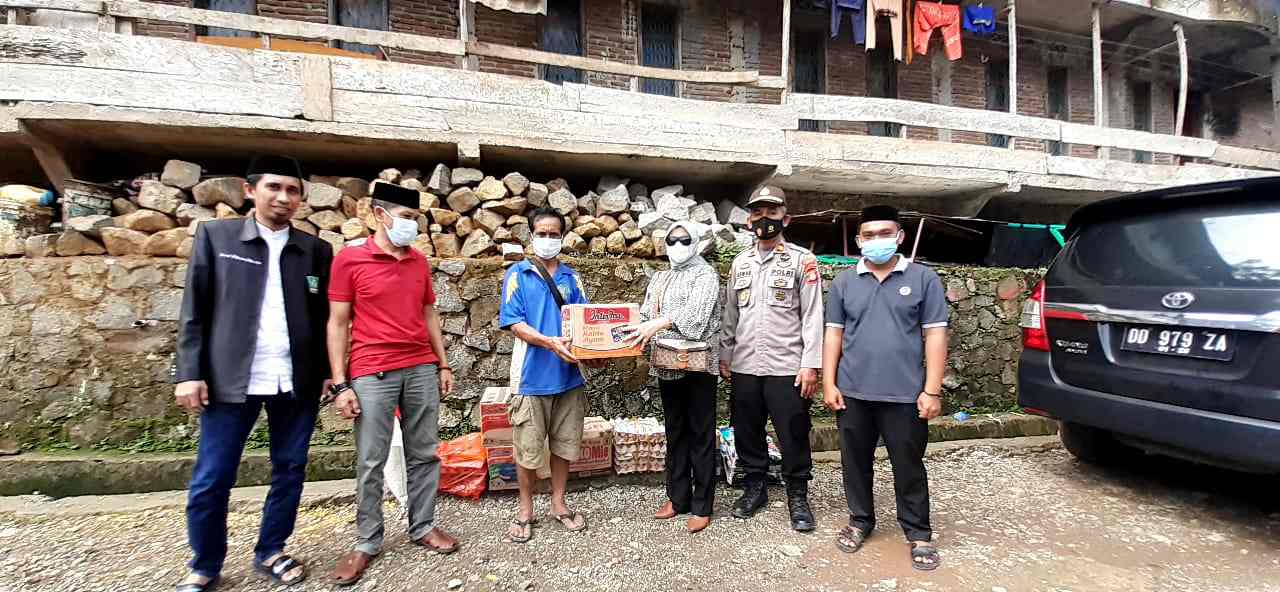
{"type": "Point", "coordinates": [224, 427]}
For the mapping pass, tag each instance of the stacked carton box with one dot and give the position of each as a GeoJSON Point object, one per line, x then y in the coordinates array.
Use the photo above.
{"type": "Point", "coordinates": [594, 458]}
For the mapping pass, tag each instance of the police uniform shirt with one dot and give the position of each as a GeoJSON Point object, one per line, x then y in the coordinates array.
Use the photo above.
{"type": "Point", "coordinates": [773, 312]}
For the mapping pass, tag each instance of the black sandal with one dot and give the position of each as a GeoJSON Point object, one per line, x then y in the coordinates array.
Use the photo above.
{"type": "Point", "coordinates": [565, 519]}
{"type": "Point", "coordinates": [522, 524]}
{"type": "Point", "coordinates": [208, 586]}
{"type": "Point", "coordinates": [926, 552]}
{"type": "Point", "coordinates": [282, 565]}
{"type": "Point", "coordinates": [850, 539]}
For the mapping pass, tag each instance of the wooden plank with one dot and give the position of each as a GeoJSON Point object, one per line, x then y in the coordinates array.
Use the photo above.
{"type": "Point", "coordinates": [771, 82]}
{"type": "Point", "coordinates": [1183, 76]}
{"type": "Point", "coordinates": [27, 82]}
{"type": "Point", "coordinates": [1013, 59]}
{"type": "Point", "coordinates": [49, 156]}
{"type": "Point", "coordinates": [1099, 101]}
{"type": "Point", "coordinates": [467, 33]}
{"type": "Point", "coordinates": [90, 49]}
{"type": "Point", "coordinates": [446, 83]}
{"type": "Point", "coordinates": [786, 47]}
{"type": "Point", "coordinates": [89, 6]}
{"type": "Point", "coordinates": [555, 59]}
{"type": "Point", "coordinates": [1262, 159]}
{"type": "Point", "coordinates": [317, 89]}
{"type": "Point", "coordinates": [841, 108]}
{"type": "Point", "coordinates": [595, 99]}
{"type": "Point", "coordinates": [1106, 137]}
{"type": "Point", "coordinates": [273, 26]}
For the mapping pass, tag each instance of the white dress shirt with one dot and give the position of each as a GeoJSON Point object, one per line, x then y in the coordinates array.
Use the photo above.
{"type": "Point", "coordinates": [272, 369]}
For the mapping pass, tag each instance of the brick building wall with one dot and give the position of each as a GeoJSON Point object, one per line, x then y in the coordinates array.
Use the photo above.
{"type": "Point", "coordinates": [760, 45]}
{"type": "Point", "coordinates": [506, 28]}
{"type": "Point", "coordinates": [609, 28]}
{"type": "Point", "coordinates": [969, 83]}
{"type": "Point", "coordinates": [1251, 106]}
{"type": "Point", "coordinates": [312, 11]}
{"type": "Point", "coordinates": [1080, 104]}
{"type": "Point", "coordinates": [1033, 91]}
{"type": "Point", "coordinates": [424, 17]}
{"type": "Point", "coordinates": [847, 76]}
{"type": "Point", "coordinates": [163, 29]}
{"type": "Point", "coordinates": [705, 46]}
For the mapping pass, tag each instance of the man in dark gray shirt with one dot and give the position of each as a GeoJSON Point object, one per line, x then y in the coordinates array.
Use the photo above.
{"type": "Point", "coordinates": [883, 320]}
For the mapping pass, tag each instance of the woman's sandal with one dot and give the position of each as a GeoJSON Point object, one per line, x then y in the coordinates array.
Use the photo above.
{"type": "Point", "coordinates": [281, 566]}
{"type": "Point", "coordinates": [564, 520]}
{"type": "Point", "coordinates": [924, 556]}
{"type": "Point", "coordinates": [525, 526]}
{"type": "Point", "coordinates": [208, 586]}
{"type": "Point", "coordinates": [850, 539]}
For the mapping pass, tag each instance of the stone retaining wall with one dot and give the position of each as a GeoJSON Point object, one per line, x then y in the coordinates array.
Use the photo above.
{"type": "Point", "coordinates": [85, 346]}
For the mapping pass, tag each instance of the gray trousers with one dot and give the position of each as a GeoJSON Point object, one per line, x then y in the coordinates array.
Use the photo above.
{"type": "Point", "coordinates": [416, 391]}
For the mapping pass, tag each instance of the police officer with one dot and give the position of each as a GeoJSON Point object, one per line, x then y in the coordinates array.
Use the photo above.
{"type": "Point", "coordinates": [771, 348]}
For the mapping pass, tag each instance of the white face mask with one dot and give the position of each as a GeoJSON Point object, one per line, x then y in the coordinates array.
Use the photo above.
{"type": "Point", "coordinates": [680, 253]}
{"type": "Point", "coordinates": [546, 247]}
{"type": "Point", "coordinates": [402, 231]}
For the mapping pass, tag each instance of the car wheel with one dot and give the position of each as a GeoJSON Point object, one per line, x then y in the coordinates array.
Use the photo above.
{"type": "Point", "coordinates": [1090, 444]}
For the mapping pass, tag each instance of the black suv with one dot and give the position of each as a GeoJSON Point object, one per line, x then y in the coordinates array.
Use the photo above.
{"type": "Point", "coordinates": [1158, 327]}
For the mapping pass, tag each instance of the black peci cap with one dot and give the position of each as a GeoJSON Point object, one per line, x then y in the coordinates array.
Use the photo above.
{"type": "Point", "coordinates": [401, 196]}
{"type": "Point", "coordinates": [274, 164]}
{"type": "Point", "coordinates": [879, 213]}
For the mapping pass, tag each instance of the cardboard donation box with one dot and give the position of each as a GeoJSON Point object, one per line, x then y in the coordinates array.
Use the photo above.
{"type": "Point", "coordinates": [596, 453]}
{"type": "Point", "coordinates": [595, 457]}
{"type": "Point", "coordinates": [493, 409]}
{"type": "Point", "coordinates": [596, 329]}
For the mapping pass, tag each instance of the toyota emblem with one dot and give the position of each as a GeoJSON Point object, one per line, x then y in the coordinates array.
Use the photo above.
{"type": "Point", "coordinates": [1178, 300]}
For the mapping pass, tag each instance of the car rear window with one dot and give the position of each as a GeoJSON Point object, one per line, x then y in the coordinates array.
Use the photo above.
{"type": "Point", "coordinates": [1215, 246]}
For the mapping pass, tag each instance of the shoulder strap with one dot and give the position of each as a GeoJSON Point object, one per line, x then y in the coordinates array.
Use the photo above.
{"type": "Point", "coordinates": [546, 279]}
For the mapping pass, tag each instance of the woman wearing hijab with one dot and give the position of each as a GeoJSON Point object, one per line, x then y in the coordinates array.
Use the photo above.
{"type": "Point", "coordinates": [682, 305]}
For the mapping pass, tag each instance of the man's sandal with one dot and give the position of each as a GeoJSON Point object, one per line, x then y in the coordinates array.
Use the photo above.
{"type": "Point", "coordinates": [281, 566]}
{"type": "Point", "coordinates": [208, 586]}
{"type": "Point", "coordinates": [924, 556]}
{"type": "Point", "coordinates": [850, 539]}
{"type": "Point", "coordinates": [526, 528]}
{"type": "Point", "coordinates": [564, 520]}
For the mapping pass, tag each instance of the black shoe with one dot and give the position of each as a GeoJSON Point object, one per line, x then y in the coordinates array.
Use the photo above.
{"type": "Point", "coordinates": [798, 502]}
{"type": "Point", "coordinates": [754, 496]}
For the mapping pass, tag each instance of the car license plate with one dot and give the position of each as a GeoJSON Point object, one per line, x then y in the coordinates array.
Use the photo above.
{"type": "Point", "coordinates": [1209, 344]}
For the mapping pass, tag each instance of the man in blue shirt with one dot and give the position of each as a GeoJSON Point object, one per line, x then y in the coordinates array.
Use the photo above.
{"type": "Point", "coordinates": [549, 401]}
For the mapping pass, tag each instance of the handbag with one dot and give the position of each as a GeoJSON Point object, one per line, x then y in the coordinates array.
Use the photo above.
{"type": "Point", "coordinates": [678, 354]}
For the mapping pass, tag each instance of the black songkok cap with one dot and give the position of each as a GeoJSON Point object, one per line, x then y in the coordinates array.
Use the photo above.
{"type": "Point", "coordinates": [401, 196]}
{"type": "Point", "coordinates": [271, 164]}
{"type": "Point", "coordinates": [879, 213]}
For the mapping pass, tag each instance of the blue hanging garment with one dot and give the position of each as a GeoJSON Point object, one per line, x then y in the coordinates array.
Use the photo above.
{"type": "Point", "coordinates": [857, 19]}
{"type": "Point", "coordinates": [980, 20]}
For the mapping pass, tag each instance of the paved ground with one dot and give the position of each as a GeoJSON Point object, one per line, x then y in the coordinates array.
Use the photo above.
{"type": "Point", "coordinates": [1010, 515]}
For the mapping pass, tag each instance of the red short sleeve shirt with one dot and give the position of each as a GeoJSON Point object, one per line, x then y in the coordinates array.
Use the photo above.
{"type": "Point", "coordinates": [388, 299]}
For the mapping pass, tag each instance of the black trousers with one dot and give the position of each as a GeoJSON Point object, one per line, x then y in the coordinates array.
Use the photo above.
{"type": "Point", "coordinates": [861, 425]}
{"type": "Point", "coordinates": [689, 410]}
{"type": "Point", "coordinates": [756, 399]}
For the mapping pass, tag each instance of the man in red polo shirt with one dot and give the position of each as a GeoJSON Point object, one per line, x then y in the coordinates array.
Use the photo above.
{"type": "Point", "coordinates": [380, 297]}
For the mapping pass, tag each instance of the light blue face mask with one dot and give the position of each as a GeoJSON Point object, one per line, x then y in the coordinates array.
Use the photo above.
{"type": "Point", "coordinates": [402, 232]}
{"type": "Point", "coordinates": [880, 250]}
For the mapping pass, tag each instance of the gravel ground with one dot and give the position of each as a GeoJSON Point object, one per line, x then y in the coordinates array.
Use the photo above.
{"type": "Point", "coordinates": [1006, 520]}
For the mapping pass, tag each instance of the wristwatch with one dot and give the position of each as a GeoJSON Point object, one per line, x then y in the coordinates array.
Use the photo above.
{"type": "Point", "coordinates": [936, 395]}
{"type": "Point", "coordinates": [336, 389]}
{"type": "Point", "coordinates": [443, 368]}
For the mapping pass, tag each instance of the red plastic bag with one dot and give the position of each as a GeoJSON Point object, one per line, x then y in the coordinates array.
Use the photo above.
{"type": "Point", "coordinates": [463, 469]}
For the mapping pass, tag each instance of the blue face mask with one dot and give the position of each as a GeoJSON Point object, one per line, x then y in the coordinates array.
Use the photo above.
{"type": "Point", "coordinates": [880, 250]}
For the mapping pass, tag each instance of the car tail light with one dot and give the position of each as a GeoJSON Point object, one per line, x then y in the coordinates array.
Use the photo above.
{"type": "Point", "coordinates": [1033, 333]}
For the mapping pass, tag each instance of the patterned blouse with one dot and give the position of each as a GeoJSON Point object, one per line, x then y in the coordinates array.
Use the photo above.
{"type": "Point", "coordinates": [691, 299]}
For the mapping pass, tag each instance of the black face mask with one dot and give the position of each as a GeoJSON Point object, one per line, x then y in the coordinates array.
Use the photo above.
{"type": "Point", "coordinates": [766, 228]}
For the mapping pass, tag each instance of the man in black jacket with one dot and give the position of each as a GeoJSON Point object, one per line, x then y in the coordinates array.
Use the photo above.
{"type": "Point", "coordinates": [252, 335]}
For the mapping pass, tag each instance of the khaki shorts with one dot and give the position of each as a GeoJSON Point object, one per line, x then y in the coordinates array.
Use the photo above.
{"type": "Point", "coordinates": [547, 423]}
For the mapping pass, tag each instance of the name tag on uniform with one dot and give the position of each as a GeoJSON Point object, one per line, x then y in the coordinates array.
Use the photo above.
{"type": "Point", "coordinates": [313, 284]}
{"type": "Point", "coordinates": [742, 278]}
{"type": "Point", "coordinates": [782, 278]}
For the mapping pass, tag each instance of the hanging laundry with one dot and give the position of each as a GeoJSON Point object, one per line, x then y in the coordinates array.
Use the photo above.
{"type": "Point", "coordinates": [857, 20]}
{"type": "Point", "coordinates": [892, 10]}
{"type": "Point", "coordinates": [980, 20]}
{"type": "Point", "coordinates": [934, 15]}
